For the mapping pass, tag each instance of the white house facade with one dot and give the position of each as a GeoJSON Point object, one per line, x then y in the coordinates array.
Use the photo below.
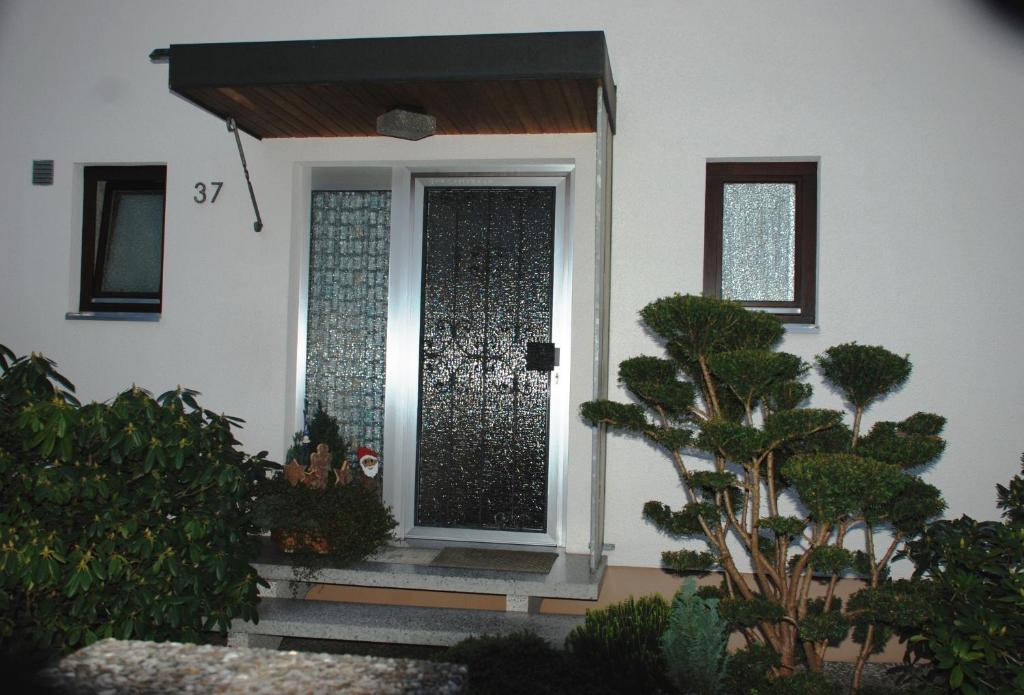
{"type": "Point", "coordinates": [909, 114]}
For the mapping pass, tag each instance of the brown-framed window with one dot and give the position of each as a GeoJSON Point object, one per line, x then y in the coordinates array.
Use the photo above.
{"type": "Point", "coordinates": [760, 236]}
{"type": "Point", "coordinates": [123, 239]}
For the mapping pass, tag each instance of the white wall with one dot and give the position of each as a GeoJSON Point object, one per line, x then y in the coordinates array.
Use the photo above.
{"type": "Point", "coordinates": [914, 109]}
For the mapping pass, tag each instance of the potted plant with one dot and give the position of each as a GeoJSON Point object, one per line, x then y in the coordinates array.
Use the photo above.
{"type": "Point", "coordinates": [320, 507]}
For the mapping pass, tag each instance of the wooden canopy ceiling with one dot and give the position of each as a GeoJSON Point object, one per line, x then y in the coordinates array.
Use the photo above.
{"type": "Point", "coordinates": [478, 84]}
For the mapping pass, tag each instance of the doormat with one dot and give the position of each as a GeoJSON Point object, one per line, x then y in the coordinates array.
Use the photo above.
{"type": "Point", "coordinates": [405, 556]}
{"type": "Point", "coordinates": [500, 560]}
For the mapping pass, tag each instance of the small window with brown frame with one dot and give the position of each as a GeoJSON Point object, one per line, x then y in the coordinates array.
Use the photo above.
{"type": "Point", "coordinates": [123, 239]}
{"type": "Point", "coordinates": [760, 236]}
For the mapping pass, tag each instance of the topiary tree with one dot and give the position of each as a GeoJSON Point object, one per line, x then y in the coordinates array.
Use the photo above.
{"type": "Point", "coordinates": [725, 399]}
{"type": "Point", "coordinates": [123, 519]}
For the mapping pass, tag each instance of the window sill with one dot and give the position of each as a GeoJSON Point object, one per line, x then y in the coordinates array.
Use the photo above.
{"type": "Point", "coordinates": [111, 316]}
{"type": "Point", "coordinates": [802, 328]}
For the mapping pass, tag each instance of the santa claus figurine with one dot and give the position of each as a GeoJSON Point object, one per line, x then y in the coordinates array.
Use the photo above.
{"type": "Point", "coordinates": [369, 461]}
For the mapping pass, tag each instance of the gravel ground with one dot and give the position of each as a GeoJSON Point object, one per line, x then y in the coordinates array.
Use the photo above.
{"type": "Point", "coordinates": [113, 667]}
{"type": "Point", "coordinates": [878, 676]}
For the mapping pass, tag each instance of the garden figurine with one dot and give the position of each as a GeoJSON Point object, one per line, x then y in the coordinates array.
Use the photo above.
{"type": "Point", "coordinates": [369, 462]}
{"type": "Point", "coordinates": [294, 473]}
{"type": "Point", "coordinates": [344, 473]}
{"type": "Point", "coordinates": [319, 467]}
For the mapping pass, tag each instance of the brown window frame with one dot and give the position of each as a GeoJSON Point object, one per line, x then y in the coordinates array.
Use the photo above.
{"type": "Point", "coordinates": [96, 236]}
{"type": "Point", "coordinates": [805, 177]}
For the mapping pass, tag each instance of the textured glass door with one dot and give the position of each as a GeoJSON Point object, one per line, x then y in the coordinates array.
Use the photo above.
{"type": "Point", "coordinates": [346, 323]}
{"type": "Point", "coordinates": [482, 446]}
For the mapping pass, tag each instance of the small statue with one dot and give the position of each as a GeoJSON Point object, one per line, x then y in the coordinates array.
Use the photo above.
{"type": "Point", "coordinates": [369, 461]}
{"type": "Point", "coordinates": [344, 474]}
{"type": "Point", "coordinates": [319, 467]}
{"type": "Point", "coordinates": [294, 473]}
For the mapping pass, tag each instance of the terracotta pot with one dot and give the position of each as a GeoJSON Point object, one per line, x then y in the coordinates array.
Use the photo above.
{"type": "Point", "coordinates": [294, 542]}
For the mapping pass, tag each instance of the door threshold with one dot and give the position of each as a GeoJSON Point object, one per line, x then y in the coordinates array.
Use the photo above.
{"type": "Point", "coordinates": [440, 537]}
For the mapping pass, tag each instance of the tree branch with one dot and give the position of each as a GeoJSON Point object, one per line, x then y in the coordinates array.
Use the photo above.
{"type": "Point", "coordinates": [709, 386]}
{"type": "Point", "coordinates": [773, 499]}
{"type": "Point", "coordinates": [890, 550]}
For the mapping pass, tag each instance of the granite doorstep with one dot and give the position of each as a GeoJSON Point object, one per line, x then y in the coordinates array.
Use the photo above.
{"type": "Point", "coordinates": [569, 578]}
{"type": "Point", "coordinates": [397, 624]}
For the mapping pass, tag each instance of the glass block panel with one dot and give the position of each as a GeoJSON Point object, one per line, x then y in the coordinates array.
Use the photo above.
{"type": "Point", "coordinates": [487, 288]}
{"type": "Point", "coordinates": [348, 310]}
{"type": "Point", "coordinates": [135, 243]}
{"type": "Point", "coordinates": [758, 241]}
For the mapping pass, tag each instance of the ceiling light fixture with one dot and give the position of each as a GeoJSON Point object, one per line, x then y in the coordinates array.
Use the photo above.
{"type": "Point", "coordinates": [407, 125]}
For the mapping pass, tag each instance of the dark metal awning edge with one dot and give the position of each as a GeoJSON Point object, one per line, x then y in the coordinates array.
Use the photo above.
{"type": "Point", "coordinates": [576, 55]}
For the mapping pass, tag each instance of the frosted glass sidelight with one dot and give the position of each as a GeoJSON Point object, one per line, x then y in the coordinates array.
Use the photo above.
{"type": "Point", "coordinates": [348, 310]}
{"type": "Point", "coordinates": [482, 457]}
{"type": "Point", "coordinates": [135, 246]}
{"type": "Point", "coordinates": [758, 241]}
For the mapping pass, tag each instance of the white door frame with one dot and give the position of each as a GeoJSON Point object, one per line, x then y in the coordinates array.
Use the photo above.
{"type": "Point", "coordinates": [404, 290]}
{"type": "Point", "coordinates": [403, 356]}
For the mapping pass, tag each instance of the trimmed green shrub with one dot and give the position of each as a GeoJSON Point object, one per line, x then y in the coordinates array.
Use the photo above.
{"type": "Point", "coordinates": [124, 519]}
{"type": "Point", "coordinates": [518, 664]}
{"type": "Point", "coordinates": [694, 644]}
{"type": "Point", "coordinates": [801, 683]}
{"type": "Point", "coordinates": [620, 645]}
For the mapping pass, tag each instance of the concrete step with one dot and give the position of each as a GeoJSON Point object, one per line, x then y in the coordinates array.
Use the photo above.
{"type": "Point", "coordinates": [407, 567]}
{"type": "Point", "coordinates": [288, 617]}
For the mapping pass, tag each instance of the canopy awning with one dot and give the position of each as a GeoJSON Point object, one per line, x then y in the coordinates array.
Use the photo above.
{"type": "Point", "coordinates": [476, 84]}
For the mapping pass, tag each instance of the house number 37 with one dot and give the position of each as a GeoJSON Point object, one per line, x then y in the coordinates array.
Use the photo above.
{"type": "Point", "coordinates": [202, 196]}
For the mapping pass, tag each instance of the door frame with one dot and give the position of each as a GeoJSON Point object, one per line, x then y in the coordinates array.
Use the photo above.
{"type": "Point", "coordinates": [407, 262]}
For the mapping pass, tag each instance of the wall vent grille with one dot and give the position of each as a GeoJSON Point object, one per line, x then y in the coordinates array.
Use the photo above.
{"type": "Point", "coordinates": [42, 172]}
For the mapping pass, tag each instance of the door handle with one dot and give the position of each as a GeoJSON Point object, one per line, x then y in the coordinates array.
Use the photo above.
{"type": "Point", "coordinates": [541, 357]}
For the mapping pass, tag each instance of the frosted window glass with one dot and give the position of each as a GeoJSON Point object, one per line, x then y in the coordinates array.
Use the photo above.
{"type": "Point", "coordinates": [758, 241]}
{"type": "Point", "coordinates": [348, 310]}
{"type": "Point", "coordinates": [135, 245]}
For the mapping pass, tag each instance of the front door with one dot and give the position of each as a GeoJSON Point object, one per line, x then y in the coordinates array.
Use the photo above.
{"type": "Point", "coordinates": [483, 457]}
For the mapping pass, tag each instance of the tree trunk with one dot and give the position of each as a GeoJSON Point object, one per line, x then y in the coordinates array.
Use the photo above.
{"type": "Point", "coordinates": [862, 659]}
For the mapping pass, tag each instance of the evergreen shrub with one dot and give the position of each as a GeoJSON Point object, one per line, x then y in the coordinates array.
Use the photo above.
{"type": "Point", "coordinates": [124, 519]}
{"type": "Point", "coordinates": [620, 645]}
{"type": "Point", "coordinates": [694, 643]}
{"type": "Point", "coordinates": [522, 663]}
{"type": "Point", "coordinates": [350, 517]}
{"type": "Point", "coordinates": [971, 577]}
{"type": "Point", "coordinates": [334, 518]}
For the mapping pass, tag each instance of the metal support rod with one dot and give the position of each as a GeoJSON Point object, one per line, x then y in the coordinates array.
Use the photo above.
{"type": "Point", "coordinates": [233, 128]}
{"type": "Point", "coordinates": [602, 284]}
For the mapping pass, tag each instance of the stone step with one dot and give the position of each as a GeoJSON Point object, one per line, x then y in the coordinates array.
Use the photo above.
{"type": "Point", "coordinates": [288, 617]}
{"type": "Point", "coordinates": [408, 567]}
